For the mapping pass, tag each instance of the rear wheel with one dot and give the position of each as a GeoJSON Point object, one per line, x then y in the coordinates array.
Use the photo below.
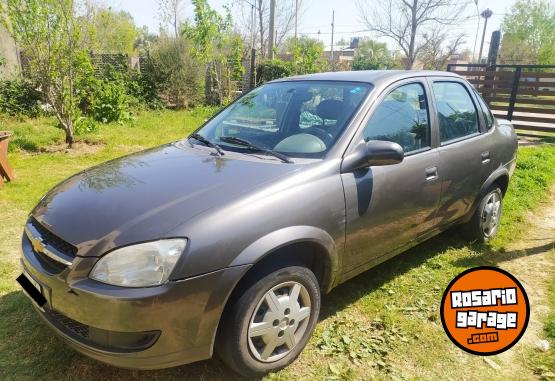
{"type": "Point", "coordinates": [267, 327]}
{"type": "Point", "coordinates": [486, 219]}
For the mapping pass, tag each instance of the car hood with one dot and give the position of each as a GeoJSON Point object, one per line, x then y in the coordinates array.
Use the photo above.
{"type": "Point", "coordinates": [142, 196]}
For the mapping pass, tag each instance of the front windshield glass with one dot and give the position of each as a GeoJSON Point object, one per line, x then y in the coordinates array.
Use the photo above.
{"type": "Point", "coordinates": [297, 118]}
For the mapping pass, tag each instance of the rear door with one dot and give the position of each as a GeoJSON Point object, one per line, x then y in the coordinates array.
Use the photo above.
{"type": "Point", "coordinates": [389, 206]}
{"type": "Point", "coordinates": [464, 151]}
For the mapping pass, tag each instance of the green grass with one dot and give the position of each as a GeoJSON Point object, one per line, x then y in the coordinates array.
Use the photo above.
{"type": "Point", "coordinates": [534, 174]}
{"type": "Point", "coordinates": [382, 324]}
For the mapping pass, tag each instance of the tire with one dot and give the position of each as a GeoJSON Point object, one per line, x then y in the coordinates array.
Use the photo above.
{"type": "Point", "coordinates": [255, 321]}
{"type": "Point", "coordinates": [484, 224]}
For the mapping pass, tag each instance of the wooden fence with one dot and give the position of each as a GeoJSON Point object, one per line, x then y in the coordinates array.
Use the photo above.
{"type": "Point", "coordinates": [523, 94]}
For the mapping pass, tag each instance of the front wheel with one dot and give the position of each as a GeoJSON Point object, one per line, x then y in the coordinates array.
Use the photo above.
{"type": "Point", "coordinates": [267, 327]}
{"type": "Point", "coordinates": [485, 222]}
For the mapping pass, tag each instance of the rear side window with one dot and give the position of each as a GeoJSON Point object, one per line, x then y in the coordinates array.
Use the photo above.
{"type": "Point", "coordinates": [488, 117]}
{"type": "Point", "coordinates": [457, 114]}
{"type": "Point", "coordinates": [402, 117]}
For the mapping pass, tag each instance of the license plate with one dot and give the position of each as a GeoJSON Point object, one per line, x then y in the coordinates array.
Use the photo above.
{"type": "Point", "coordinates": [32, 288]}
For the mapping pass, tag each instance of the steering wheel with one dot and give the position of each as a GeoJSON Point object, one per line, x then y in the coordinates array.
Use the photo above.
{"type": "Point", "coordinates": [324, 135]}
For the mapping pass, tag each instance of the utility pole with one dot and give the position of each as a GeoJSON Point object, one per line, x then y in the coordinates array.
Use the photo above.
{"type": "Point", "coordinates": [272, 31]}
{"type": "Point", "coordinates": [296, 18]}
{"type": "Point", "coordinates": [252, 74]}
{"type": "Point", "coordinates": [485, 14]}
{"type": "Point", "coordinates": [477, 31]}
{"type": "Point", "coordinates": [332, 30]}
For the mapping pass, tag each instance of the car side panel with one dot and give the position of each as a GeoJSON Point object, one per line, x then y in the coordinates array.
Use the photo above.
{"type": "Point", "coordinates": [388, 206]}
{"type": "Point", "coordinates": [309, 205]}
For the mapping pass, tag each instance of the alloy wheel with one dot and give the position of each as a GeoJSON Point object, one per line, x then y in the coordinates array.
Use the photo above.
{"type": "Point", "coordinates": [279, 321]}
{"type": "Point", "coordinates": [491, 214]}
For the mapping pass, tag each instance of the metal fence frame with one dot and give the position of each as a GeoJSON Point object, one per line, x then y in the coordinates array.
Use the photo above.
{"type": "Point", "coordinates": [489, 73]}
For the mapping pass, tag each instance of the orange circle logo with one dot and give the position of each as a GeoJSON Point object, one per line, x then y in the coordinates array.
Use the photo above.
{"type": "Point", "coordinates": [485, 310]}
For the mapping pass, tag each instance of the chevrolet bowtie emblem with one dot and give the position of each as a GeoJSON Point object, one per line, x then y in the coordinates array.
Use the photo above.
{"type": "Point", "coordinates": [37, 244]}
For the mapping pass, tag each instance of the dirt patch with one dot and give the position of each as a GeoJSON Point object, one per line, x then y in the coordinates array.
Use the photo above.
{"type": "Point", "coordinates": [78, 148]}
{"type": "Point", "coordinates": [533, 263]}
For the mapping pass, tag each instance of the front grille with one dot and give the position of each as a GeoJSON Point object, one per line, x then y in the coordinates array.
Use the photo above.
{"type": "Point", "coordinates": [49, 264]}
{"type": "Point", "coordinates": [53, 240]}
{"type": "Point", "coordinates": [78, 329]}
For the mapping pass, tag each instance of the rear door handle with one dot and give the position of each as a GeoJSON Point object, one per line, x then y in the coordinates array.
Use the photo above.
{"type": "Point", "coordinates": [485, 157]}
{"type": "Point", "coordinates": [431, 174]}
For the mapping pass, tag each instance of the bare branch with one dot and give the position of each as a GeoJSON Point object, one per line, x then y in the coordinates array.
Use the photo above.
{"type": "Point", "coordinates": [408, 21]}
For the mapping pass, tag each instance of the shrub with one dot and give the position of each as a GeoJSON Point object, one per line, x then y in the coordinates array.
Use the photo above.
{"type": "Point", "coordinates": [105, 96]}
{"type": "Point", "coordinates": [177, 74]}
{"type": "Point", "coordinates": [273, 69]}
{"type": "Point", "coordinates": [110, 102]}
{"type": "Point", "coordinates": [85, 125]}
{"type": "Point", "coordinates": [19, 98]}
{"type": "Point", "coordinates": [142, 87]}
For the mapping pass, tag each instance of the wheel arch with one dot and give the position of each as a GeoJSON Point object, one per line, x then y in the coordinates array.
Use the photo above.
{"type": "Point", "coordinates": [499, 177]}
{"type": "Point", "coordinates": [307, 245]}
{"type": "Point", "coordinates": [281, 248]}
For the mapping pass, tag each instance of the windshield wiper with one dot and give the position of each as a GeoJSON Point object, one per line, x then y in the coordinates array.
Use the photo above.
{"type": "Point", "coordinates": [208, 143]}
{"type": "Point", "coordinates": [253, 147]}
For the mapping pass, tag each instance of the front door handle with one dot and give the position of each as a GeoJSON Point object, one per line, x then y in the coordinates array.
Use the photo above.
{"type": "Point", "coordinates": [485, 157]}
{"type": "Point", "coordinates": [431, 174]}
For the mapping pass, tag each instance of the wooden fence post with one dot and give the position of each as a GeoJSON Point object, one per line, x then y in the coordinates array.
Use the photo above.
{"type": "Point", "coordinates": [5, 168]}
{"type": "Point", "coordinates": [514, 91]}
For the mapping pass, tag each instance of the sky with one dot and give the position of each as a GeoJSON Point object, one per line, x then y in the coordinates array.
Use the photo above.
{"type": "Point", "coordinates": [317, 14]}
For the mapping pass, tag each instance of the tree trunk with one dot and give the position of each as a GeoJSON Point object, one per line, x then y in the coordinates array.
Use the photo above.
{"type": "Point", "coordinates": [412, 56]}
{"type": "Point", "coordinates": [70, 137]}
{"type": "Point", "coordinates": [261, 22]}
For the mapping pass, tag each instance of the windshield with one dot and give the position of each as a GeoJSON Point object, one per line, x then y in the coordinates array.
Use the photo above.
{"type": "Point", "coordinates": [297, 118]}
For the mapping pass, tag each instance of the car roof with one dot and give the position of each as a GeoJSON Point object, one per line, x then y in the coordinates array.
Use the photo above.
{"type": "Point", "coordinates": [368, 76]}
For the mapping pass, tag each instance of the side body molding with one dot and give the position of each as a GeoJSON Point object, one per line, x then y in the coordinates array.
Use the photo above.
{"type": "Point", "coordinates": [291, 235]}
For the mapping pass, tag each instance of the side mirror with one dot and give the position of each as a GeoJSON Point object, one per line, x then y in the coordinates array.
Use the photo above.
{"type": "Point", "coordinates": [373, 152]}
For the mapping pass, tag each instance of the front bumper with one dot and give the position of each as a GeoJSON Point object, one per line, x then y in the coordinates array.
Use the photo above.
{"type": "Point", "coordinates": [139, 328]}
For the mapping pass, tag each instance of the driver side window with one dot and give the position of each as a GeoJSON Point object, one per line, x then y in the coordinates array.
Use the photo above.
{"type": "Point", "coordinates": [402, 117]}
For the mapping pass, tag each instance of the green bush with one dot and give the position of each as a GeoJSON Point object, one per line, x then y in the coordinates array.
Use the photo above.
{"type": "Point", "coordinates": [110, 102]}
{"type": "Point", "coordinates": [104, 97]}
{"type": "Point", "coordinates": [19, 98]}
{"type": "Point", "coordinates": [142, 86]}
{"type": "Point", "coordinates": [273, 69]}
{"type": "Point", "coordinates": [179, 77]}
{"type": "Point", "coordinates": [85, 125]}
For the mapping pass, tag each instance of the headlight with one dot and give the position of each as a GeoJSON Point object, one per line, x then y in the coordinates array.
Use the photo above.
{"type": "Point", "coordinates": [141, 265]}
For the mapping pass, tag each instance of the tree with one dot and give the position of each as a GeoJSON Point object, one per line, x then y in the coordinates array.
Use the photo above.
{"type": "Point", "coordinates": [529, 33]}
{"type": "Point", "coordinates": [218, 47]}
{"type": "Point", "coordinates": [307, 55]}
{"type": "Point", "coordinates": [114, 32]}
{"type": "Point", "coordinates": [169, 13]}
{"type": "Point", "coordinates": [372, 55]}
{"type": "Point", "coordinates": [438, 48]}
{"type": "Point", "coordinates": [51, 41]}
{"type": "Point", "coordinates": [406, 21]}
{"type": "Point", "coordinates": [176, 74]}
{"type": "Point", "coordinates": [284, 21]}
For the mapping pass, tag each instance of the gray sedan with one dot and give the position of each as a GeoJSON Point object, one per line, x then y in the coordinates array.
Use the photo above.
{"type": "Point", "coordinates": [226, 240]}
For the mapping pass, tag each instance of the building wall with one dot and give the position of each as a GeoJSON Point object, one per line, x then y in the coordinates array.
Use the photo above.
{"type": "Point", "coordinates": [9, 53]}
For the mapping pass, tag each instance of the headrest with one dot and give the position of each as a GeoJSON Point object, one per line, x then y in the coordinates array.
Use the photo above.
{"type": "Point", "coordinates": [331, 109]}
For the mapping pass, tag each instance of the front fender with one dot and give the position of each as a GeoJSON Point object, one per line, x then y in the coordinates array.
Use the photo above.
{"type": "Point", "coordinates": [287, 236]}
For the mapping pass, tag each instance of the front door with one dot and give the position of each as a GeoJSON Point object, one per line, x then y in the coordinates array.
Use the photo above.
{"type": "Point", "coordinates": [389, 206]}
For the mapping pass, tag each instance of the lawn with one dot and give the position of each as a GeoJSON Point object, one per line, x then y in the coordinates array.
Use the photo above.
{"type": "Point", "coordinates": [382, 324]}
